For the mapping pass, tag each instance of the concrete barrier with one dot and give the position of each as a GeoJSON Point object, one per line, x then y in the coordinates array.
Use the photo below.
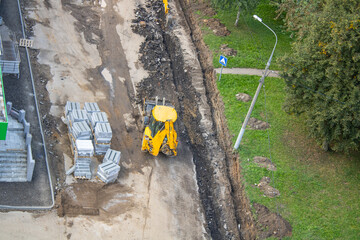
{"type": "Point", "coordinates": [30, 164]}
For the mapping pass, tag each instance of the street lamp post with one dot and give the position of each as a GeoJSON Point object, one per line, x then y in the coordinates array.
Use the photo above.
{"type": "Point", "coordinates": [261, 82]}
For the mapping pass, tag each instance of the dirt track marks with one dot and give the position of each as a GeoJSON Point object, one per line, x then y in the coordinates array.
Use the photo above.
{"type": "Point", "coordinates": [148, 200]}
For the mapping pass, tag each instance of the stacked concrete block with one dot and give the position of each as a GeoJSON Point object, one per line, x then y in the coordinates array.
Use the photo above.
{"type": "Point", "coordinates": [82, 168]}
{"type": "Point", "coordinates": [98, 117]}
{"type": "Point", "coordinates": [112, 156]}
{"type": "Point", "coordinates": [84, 148]}
{"type": "Point", "coordinates": [108, 172]}
{"type": "Point", "coordinates": [102, 138]}
{"type": "Point", "coordinates": [81, 130]}
{"type": "Point", "coordinates": [70, 106]}
{"type": "Point", "coordinates": [103, 133]}
{"type": "Point", "coordinates": [90, 133]}
{"type": "Point", "coordinates": [91, 107]}
{"type": "Point", "coordinates": [78, 116]}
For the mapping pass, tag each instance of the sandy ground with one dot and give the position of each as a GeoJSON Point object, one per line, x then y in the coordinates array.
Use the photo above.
{"type": "Point", "coordinates": [154, 198]}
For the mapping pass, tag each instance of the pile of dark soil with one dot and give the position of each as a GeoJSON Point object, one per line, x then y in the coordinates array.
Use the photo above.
{"type": "Point", "coordinates": [271, 224]}
{"type": "Point", "coordinates": [258, 124]}
{"type": "Point", "coordinates": [265, 163]}
{"type": "Point", "coordinates": [269, 191]}
{"type": "Point", "coordinates": [227, 51]}
{"type": "Point", "coordinates": [154, 55]}
{"type": "Point", "coordinates": [218, 28]}
{"type": "Point", "coordinates": [243, 97]}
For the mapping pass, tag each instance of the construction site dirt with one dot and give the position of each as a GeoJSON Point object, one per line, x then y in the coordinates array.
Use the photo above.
{"type": "Point", "coordinates": [115, 53]}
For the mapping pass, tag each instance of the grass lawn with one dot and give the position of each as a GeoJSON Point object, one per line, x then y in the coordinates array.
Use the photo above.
{"type": "Point", "coordinates": [252, 40]}
{"type": "Point", "coordinates": [319, 191]}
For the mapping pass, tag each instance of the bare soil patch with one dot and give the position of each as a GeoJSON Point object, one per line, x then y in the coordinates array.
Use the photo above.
{"type": "Point", "coordinates": [269, 191]}
{"type": "Point", "coordinates": [243, 97]}
{"type": "Point", "coordinates": [218, 28]}
{"type": "Point", "coordinates": [227, 51]}
{"type": "Point", "coordinates": [264, 162]}
{"type": "Point", "coordinates": [271, 224]}
{"type": "Point", "coordinates": [93, 198]}
{"type": "Point", "coordinates": [79, 199]}
{"type": "Point", "coordinates": [202, 11]}
{"type": "Point", "coordinates": [257, 124]}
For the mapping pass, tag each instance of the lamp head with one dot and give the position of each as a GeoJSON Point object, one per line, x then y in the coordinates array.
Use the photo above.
{"type": "Point", "coordinates": [257, 18]}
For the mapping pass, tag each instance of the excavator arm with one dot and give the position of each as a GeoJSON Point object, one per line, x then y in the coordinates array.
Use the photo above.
{"type": "Point", "coordinates": [165, 140]}
{"type": "Point", "coordinates": [170, 142]}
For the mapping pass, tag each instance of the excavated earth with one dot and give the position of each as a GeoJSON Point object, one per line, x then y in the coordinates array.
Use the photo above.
{"type": "Point", "coordinates": [178, 66]}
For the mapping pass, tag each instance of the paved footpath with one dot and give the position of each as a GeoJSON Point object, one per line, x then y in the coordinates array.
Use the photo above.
{"type": "Point", "coordinates": [247, 71]}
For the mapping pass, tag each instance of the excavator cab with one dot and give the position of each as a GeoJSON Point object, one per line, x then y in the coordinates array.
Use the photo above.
{"type": "Point", "coordinates": [159, 133]}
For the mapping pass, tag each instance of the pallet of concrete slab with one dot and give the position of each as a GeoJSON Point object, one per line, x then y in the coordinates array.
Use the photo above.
{"type": "Point", "coordinates": [80, 137]}
{"type": "Point", "coordinates": [102, 138]}
{"type": "Point", "coordinates": [98, 117]}
{"type": "Point", "coordinates": [84, 148]}
{"type": "Point", "coordinates": [100, 149]}
{"type": "Point", "coordinates": [91, 107]}
{"type": "Point", "coordinates": [70, 106]}
{"type": "Point", "coordinates": [82, 168]}
{"type": "Point", "coordinates": [81, 130]}
{"type": "Point", "coordinates": [77, 115]}
{"type": "Point", "coordinates": [81, 148]}
{"type": "Point", "coordinates": [108, 172]}
{"type": "Point", "coordinates": [103, 133]}
{"type": "Point", "coordinates": [112, 156]}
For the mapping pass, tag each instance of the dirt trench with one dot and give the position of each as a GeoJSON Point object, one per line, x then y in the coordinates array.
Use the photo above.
{"type": "Point", "coordinates": [227, 210]}
{"type": "Point", "coordinates": [268, 224]}
{"type": "Point", "coordinates": [242, 207]}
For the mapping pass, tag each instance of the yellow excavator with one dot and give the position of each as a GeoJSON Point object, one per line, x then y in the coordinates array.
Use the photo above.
{"type": "Point", "coordinates": [159, 132]}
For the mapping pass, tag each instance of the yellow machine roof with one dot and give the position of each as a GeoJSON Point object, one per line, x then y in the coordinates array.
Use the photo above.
{"type": "Point", "coordinates": [164, 113]}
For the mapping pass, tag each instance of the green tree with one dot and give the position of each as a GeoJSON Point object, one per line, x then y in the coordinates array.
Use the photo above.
{"type": "Point", "coordinates": [322, 73]}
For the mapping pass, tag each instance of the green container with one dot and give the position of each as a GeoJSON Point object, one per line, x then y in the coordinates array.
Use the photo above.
{"type": "Point", "coordinates": [3, 122]}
